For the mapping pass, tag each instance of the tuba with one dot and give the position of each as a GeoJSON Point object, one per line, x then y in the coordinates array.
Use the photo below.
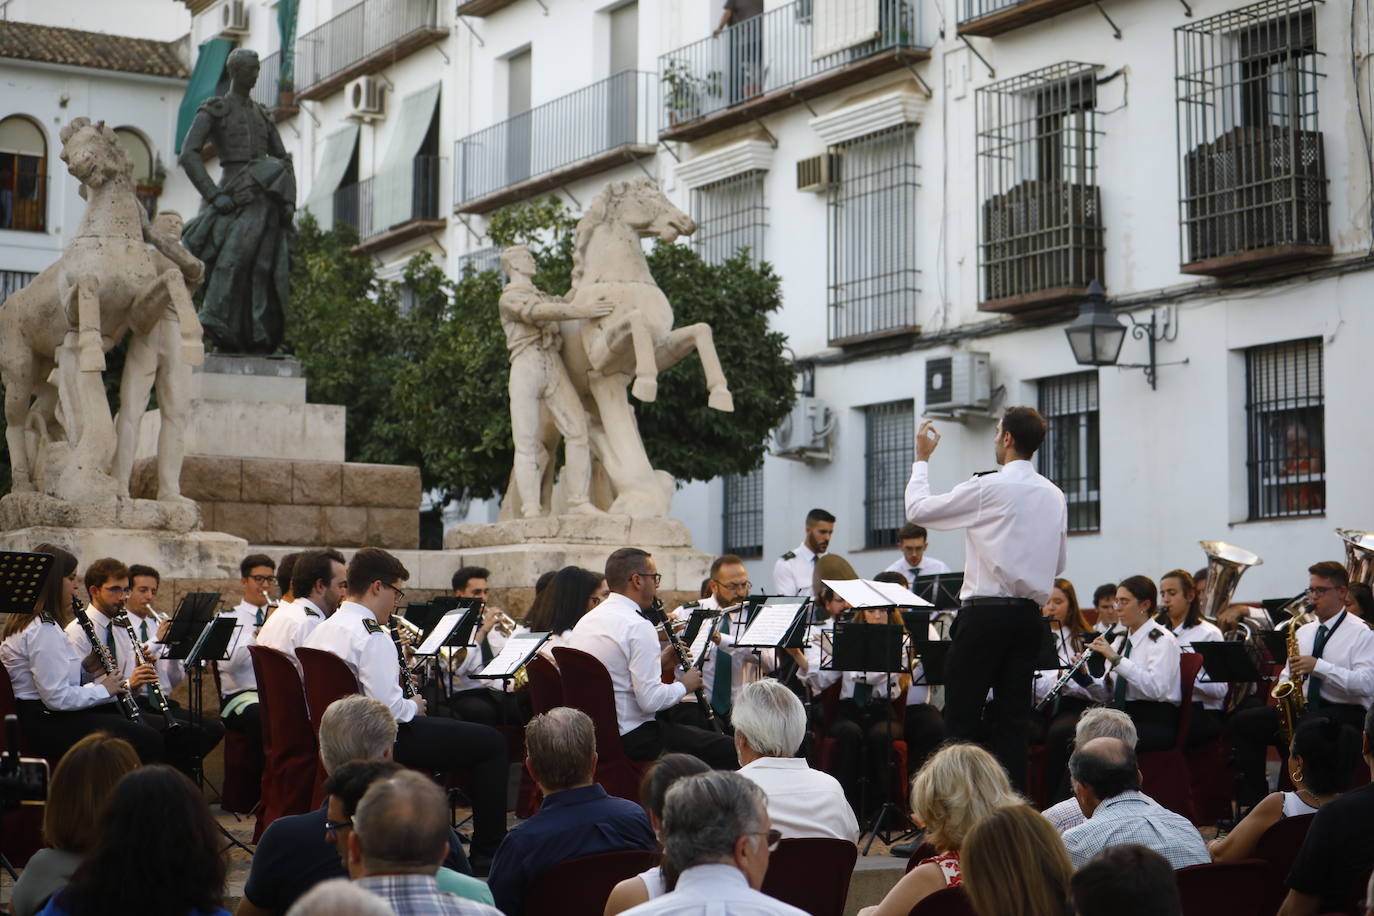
{"type": "Point", "coordinates": [1226, 563]}
{"type": "Point", "coordinates": [1359, 555]}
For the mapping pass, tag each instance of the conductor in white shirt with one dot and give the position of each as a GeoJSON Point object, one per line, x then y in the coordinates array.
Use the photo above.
{"type": "Point", "coordinates": [770, 724]}
{"type": "Point", "coordinates": [913, 540]}
{"type": "Point", "coordinates": [1015, 543]}
{"type": "Point", "coordinates": [718, 836]}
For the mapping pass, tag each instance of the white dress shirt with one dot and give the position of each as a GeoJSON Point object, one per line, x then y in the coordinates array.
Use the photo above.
{"type": "Point", "coordinates": [1211, 695]}
{"type": "Point", "coordinates": [793, 576]}
{"type": "Point", "coordinates": [123, 649]}
{"type": "Point", "coordinates": [1046, 678]}
{"type": "Point", "coordinates": [745, 666]}
{"type": "Point", "coordinates": [44, 665]}
{"type": "Point", "coordinates": [289, 627]}
{"type": "Point", "coordinates": [929, 567]}
{"type": "Point", "coordinates": [1347, 663]}
{"type": "Point", "coordinates": [714, 890]}
{"type": "Point", "coordinates": [1016, 524]}
{"type": "Point", "coordinates": [236, 674]}
{"type": "Point", "coordinates": [354, 635]}
{"type": "Point", "coordinates": [1151, 671]}
{"type": "Point", "coordinates": [803, 802]}
{"type": "Point", "coordinates": [627, 644]}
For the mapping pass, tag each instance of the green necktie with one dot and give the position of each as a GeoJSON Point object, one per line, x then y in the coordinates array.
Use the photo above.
{"type": "Point", "coordinates": [487, 653]}
{"type": "Point", "coordinates": [915, 571]}
{"type": "Point", "coordinates": [1314, 683]}
{"type": "Point", "coordinates": [144, 630]}
{"type": "Point", "coordinates": [110, 642]}
{"type": "Point", "coordinates": [723, 681]}
{"type": "Point", "coordinates": [257, 618]}
{"type": "Point", "coordinates": [1119, 693]}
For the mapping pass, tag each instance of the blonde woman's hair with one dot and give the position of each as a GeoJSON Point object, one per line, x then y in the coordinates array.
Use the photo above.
{"type": "Point", "coordinates": [1015, 864]}
{"type": "Point", "coordinates": [958, 787]}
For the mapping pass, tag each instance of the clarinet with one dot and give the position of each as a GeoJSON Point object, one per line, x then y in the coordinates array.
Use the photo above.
{"type": "Point", "coordinates": [1068, 675]}
{"type": "Point", "coordinates": [684, 660]}
{"type": "Point", "coordinates": [409, 689]}
{"type": "Point", "coordinates": [155, 694]}
{"type": "Point", "coordinates": [127, 704]}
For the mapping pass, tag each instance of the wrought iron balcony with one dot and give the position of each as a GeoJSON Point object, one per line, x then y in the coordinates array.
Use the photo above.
{"type": "Point", "coordinates": [363, 40]}
{"type": "Point", "coordinates": [268, 91]}
{"type": "Point", "coordinates": [993, 17]}
{"type": "Point", "coordinates": [780, 58]}
{"type": "Point", "coordinates": [607, 123]}
{"type": "Point", "coordinates": [390, 208]}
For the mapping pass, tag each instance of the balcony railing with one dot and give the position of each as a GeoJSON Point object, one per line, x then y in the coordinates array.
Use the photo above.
{"type": "Point", "coordinates": [776, 59]}
{"type": "Point", "coordinates": [362, 40]}
{"type": "Point", "coordinates": [391, 207]}
{"type": "Point", "coordinates": [268, 90]}
{"type": "Point", "coordinates": [578, 134]}
{"type": "Point", "coordinates": [993, 17]}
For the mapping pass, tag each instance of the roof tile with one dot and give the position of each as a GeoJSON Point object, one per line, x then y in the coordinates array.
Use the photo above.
{"type": "Point", "coordinates": [73, 47]}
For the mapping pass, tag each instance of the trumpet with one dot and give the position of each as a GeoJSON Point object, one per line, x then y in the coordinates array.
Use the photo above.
{"type": "Point", "coordinates": [413, 632]}
{"type": "Point", "coordinates": [504, 623]}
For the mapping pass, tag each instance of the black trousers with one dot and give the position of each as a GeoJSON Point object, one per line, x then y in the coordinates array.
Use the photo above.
{"type": "Point", "coordinates": [650, 740]}
{"type": "Point", "coordinates": [442, 745]}
{"type": "Point", "coordinates": [1059, 725]}
{"type": "Point", "coordinates": [692, 714]}
{"type": "Point", "coordinates": [923, 729]}
{"type": "Point", "coordinates": [1203, 725]}
{"type": "Point", "coordinates": [1255, 730]}
{"type": "Point", "coordinates": [483, 706]}
{"type": "Point", "coordinates": [863, 752]}
{"type": "Point", "coordinates": [1156, 724]}
{"type": "Point", "coordinates": [185, 742]}
{"type": "Point", "coordinates": [50, 734]}
{"type": "Point", "coordinates": [995, 648]}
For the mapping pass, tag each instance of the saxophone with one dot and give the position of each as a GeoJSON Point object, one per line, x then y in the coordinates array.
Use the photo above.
{"type": "Point", "coordinates": [1291, 698]}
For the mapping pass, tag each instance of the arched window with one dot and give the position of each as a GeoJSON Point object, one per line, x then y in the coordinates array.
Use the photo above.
{"type": "Point", "coordinates": [23, 175]}
{"type": "Point", "coordinates": [147, 181]}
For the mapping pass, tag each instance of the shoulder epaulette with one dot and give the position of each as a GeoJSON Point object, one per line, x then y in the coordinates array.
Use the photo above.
{"type": "Point", "coordinates": [47, 618]}
{"type": "Point", "coordinates": [1155, 634]}
{"type": "Point", "coordinates": [372, 626]}
{"type": "Point", "coordinates": [309, 611]}
{"type": "Point", "coordinates": [790, 555]}
{"type": "Point", "coordinates": [983, 473]}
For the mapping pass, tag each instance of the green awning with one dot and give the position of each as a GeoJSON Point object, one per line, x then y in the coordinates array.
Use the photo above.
{"type": "Point", "coordinates": [394, 187]}
{"type": "Point", "coordinates": [204, 78]}
{"type": "Point", "coordinates": [338, 151]}
{"type": "Point", "coordinates": [286, 29]}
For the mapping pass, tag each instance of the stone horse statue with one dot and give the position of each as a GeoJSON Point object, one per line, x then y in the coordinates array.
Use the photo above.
{"type": "Point", "coordinates": [55, 332]}
{"type": "Point", "coordinates": [634, 342]}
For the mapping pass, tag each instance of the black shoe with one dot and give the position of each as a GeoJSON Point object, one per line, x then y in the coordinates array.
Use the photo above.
{"type": "Point", "coordinates": [905, 850]}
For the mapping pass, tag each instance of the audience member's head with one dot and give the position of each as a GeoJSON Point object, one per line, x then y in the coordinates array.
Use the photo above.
{"type": "Point", "coordinates": [959, 786]}
{"type": "Point", "coordinates": [344, 788]}
{"type": "Point", "coordinates": [662, 776]}
{"type": "Point", "coordinates": [717, 818]}
{"type": "Point", "coordinates": [1102, 768]}
{"type": "Point", "coordinates": [1126, 880]}
{"type": "Point", "coordinates": [400, 827]}
{"type": "Point", "coordinates": [1014, 864]}
{"type": "Point", "coordinates": [1323, 754]}
{"type": "Point", "coordinates": [157, 853]}
{"type": "Point", "coordinates": [80, 786]}
{"type": "Point", "coordinates": [339, 897]}
{"type": "Point", "coordinates": [769, 721]}
{"type": "Point", "coordinates": [355, 728]}
{"type": "Point", "coordinates": [1104, 722]}
{"type": "Point", "coordinates": [569, 596]}
{"type": "Point", "coordinates": [561, 748]}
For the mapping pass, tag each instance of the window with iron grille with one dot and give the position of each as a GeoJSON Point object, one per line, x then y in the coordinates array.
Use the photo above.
{"type": "Point", "coordinates": [1286, 431]}
{"type": "Point", "coordinates": [1041, 213]}
{"type": "Point", "coordinates": [11, 281]}
{"type": "Point", "coordinates": [1254, 173]}
{"type": "Point", "coordinates": [889, 434]}
{"type": "Point", "coordinates": [1069, 455]}
{"type": "Point", "coordinates": [872, 235]}
{"type": "Point", "coordinates": [744, 514]}
{"type": "Point", "coordinates": [730, 215]}
{"type": "Point", "coordinates": [480, 259]}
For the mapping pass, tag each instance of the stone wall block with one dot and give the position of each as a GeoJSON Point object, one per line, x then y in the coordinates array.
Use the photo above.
{"type": "Point", "coordinates": [266, 480]}
{"type": "Point", "coordinates": [394, 529]}
{"type": "Point", "coordinates": [293, 525]}
{"type": "Point", "coordinates": [343, 526]}
{"type": "Point", "coordinates": [245, 520]}
{"type": "Point", "coordinates": [388, 486]}
{"type": "Point", "coordinates": [211, 479]}
{"type": "Point", "coordinates": [316, 483]}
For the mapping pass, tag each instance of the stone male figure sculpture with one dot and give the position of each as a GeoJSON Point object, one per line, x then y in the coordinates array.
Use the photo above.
{"type": "Point", "coordinates": [243, 230]}
{"type": "Point", "coordinates": [538, 381]}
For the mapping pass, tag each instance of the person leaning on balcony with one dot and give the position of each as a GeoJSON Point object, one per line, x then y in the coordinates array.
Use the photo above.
{"type": "Point", "coordinates": [737, 11]}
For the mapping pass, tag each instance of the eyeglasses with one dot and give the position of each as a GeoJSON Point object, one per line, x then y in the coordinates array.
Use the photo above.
{"type": "Point", "coordinates": [331, 828]}
{"type": "Point", "coordinates": [774, 837]}
{"type": "Point", "coordinates": [1123, 602]}
{"type": "Point", "coordinates": [657, 577]}
{"type": "Point", "coordinates": [117, 589]}
{"type": "Point", "coordinates": [1317, 591]}
{"type": "Point", "coordinates": [400, 593]}
{"type": "Point", "coordinates": [263, 580]}
{"type": "Point", "coordinates": [741, 588]}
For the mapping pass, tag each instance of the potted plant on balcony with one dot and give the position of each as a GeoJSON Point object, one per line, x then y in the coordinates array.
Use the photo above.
{"type": "Point", "coordinates": [683, 99]}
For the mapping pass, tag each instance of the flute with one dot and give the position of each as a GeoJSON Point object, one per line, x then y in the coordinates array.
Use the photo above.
{"type": "Point", "coordinates": [1068, 675]}
{"type": "Point", "coordinates": [155, 694]}
{"type": "Point", "coordinates": [684, 659]}
{"type": "Point", "coordinates": [127, 704]}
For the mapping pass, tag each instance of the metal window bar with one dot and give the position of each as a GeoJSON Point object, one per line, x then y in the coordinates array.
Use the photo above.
{"type": "Point", "coordinates": [480, 260]}
{"type": "Point", "coordinates": [731, 215]}
{"type": "Point", "coordinates": [357, 33]}
{"type": "Point", "coordinates": [1254, 172]}
{"type": "Point", "coordinates": [11, 281]}
{"type": "Point", "coordinates": [267, 90]}
{"type": "Point", "coordinates": [607, 115]}
{"type": "Point", "coordinates": [1041, 214]}
{"type": "Point", "coordinates": [889, 430]}
{"type": "Point", "coordinates": [1285, 429]}
{"type": "Point", "coordinates": [977, 9]}
{"type": "Point", "coordinates": [1070, 454]}
{"type": "Point", "coordinates": [775, 50]}
{"type": "Point", "coordinates": [743, 514]}
{"type": "Point", "coordinates": [355, 204]}
{"type": "Point", "coordinates": [872, 236]}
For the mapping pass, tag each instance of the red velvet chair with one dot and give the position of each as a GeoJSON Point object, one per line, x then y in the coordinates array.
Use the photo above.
{"type": "Point", "coordinates": [580, 887]}
{"type": "Point", "coordinates": [951, 901]}
{"type": "Point", "coordinates": [546, 692]}
{"type": "Point", "coordinates": [242, 770]}
{"type": "Point", "coordinates": [327, 678]}
{"type": "Point", "coordinates": [587, 686]}
{"type": "Point", "coordinates": [1165, 773]}
{"type": "Point", "coordinates": [1278, 846]}
{"type": "Point", "coordinates": [1222, 887]}
{"type": "Point", "coordinates": [290, 749]}
{"type": "Point", "coordinates": [9, 706]}
{"type": "Point", "coordinates": [812, 874]}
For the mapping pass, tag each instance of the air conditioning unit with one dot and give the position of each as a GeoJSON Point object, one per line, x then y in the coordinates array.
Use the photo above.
{"type": "Point", "coordinates": [233, 19]}
{"type": "Point", "coordinates": [958, 382]}
{"type": "Point", "coordinates": [805, 433]}
{"type": "Point", "coordinates": [819, 173]}
{"type": "Point", "coordinates": [366, 99]}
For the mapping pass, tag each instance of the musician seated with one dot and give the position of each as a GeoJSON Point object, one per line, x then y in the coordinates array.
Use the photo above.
{"type": "Point", "coordinates": [568, 596]}
{"type": "Point", "coordinates": [627, 645]}
{"type": "Point", "coordinates": [470, 698]}
{"type": "Point", "coordinates": [923, 725]}
{"type": "Point", "coordinates": [1319, 763]}
{"type": "Point", "coordinates": [1181, 615]}
{"type": "Point", "coordinates": [1104, 599]}
{"type": "Point", "coordinates": [1144, 676]}
{"type": "Point", "coordinates": [317, 581]}
{"type": "Point", "coordinates": [1059, 716]}
{"type": "Point", "coordinates": [577, 818]}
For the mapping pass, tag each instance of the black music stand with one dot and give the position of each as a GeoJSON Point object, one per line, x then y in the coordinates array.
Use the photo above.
{"type": "Point", "coordinates": [789, 615]}
{"type": "Point", "coordinates": [941, 589]}
{"type": "Point", "coordinates": [1227, 662]}
{"type": "Point", "coordinates": [459, 617]}
{"type": "Point", "coordinates": [702, 621]}
{"type": "Point", "coordinates": [189, 620]}
{"type": "Point", "coordinates": [515, 655]}
{"type": "Point", "coordinates": [22, 576]}
{"type": "Point", "coordinates": [425, 614]}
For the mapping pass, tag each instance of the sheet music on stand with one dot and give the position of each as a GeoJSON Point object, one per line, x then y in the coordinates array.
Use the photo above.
{"type": "Point", "coordinates": [865, 593]}
{"type": "Point", "coordinates": [778, 624]}
{"type": "Point", "coordinates": [453, 629]}
{"type": "Point", "coordinates": [698, 634]}
{"type": "Point", "coordinates": [189, 621]}
{"type": "Point", "coordinates": [514, 655]}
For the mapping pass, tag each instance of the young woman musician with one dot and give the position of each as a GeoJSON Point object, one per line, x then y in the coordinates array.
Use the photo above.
{"type": "Point", "coordinates": [57, 701]}
{"type": "Point", "coordinates": [1181, 614]}
{"type": "Point", "coordinates": [1059, 717]}
{"type": "Point", "coordinates": [1144, 677]}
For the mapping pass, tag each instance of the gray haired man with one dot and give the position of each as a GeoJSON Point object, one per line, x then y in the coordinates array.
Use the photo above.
{"type": "Point", "coordinates": [718, 837]}
{"type": "Point", "coordinates": [769, 726]}
{"type": "Point", "coordinates": [1098, 722]}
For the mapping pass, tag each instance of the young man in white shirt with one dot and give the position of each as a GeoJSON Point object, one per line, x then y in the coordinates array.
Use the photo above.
{"type": "Point", "coordinates": [912, 539]}
{"type": "Point", "coordinates": [625, 642]}
{"type": "Point", "coordinates": [472, 699]}
{"type": "Point", "coordinates": [794, 571]}
{"type": "Point", "coordinates": [238, 682]}
{"type": "Point", "coordinates": [318, 584]}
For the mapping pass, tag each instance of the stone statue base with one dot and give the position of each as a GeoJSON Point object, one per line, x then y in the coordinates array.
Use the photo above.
{"type": "Point", "coordinates": [521, 550]}
{"type": "Point", "coordinates": [27, 510]}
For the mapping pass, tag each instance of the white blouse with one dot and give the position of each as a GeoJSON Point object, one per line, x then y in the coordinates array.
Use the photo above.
{"type": "Point", "coordinates": [44, 665]}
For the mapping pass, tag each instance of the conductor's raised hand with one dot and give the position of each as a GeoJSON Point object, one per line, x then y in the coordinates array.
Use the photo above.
{"type": "Point", "coordinates": [927, 437]}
